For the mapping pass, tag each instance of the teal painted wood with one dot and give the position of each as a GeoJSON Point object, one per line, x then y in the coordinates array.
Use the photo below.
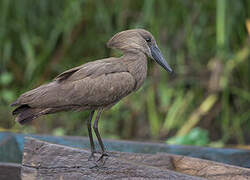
{"type": "Point", "coordinates": [237, 157]}
{"type": "Point", "coordinates": [9, 149]}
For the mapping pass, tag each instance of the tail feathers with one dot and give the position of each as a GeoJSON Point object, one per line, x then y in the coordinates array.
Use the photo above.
{"type": "Point", "coordinates": [26, 114]}
{"type": "Point", "coordinates": [20, 109]}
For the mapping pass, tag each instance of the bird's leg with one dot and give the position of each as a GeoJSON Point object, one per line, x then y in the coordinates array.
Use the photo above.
{"type": "Point", "coordinates": [95, 127]}
{"type": "Point", "coordinates": [92, 145]}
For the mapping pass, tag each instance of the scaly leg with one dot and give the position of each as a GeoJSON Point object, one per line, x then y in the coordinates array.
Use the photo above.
{"type": "Point", "coordinates": [92, 145]}
{"type": "Point", "coordinates": [95, 127]}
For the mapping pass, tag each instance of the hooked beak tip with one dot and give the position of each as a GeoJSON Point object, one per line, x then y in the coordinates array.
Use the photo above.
{"type": "Point", "coordinates": [157, 56]}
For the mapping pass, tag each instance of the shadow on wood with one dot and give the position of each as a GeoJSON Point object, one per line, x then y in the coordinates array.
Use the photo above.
{"type": "Point", "coordinates": [10, 171]}
{"type": "Point", "coordinates": [42, 160]}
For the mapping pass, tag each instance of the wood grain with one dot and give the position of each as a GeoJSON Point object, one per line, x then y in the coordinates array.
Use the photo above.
{"type": "Point", "coordinates": [42, 160]}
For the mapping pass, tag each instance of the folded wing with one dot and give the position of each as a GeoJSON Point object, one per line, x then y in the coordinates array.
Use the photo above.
{"type": "Point", "coordinates": [94, 84]}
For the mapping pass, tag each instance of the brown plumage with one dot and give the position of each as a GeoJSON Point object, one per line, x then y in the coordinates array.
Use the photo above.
{"type": "Point", "coordinates": [95, 85]}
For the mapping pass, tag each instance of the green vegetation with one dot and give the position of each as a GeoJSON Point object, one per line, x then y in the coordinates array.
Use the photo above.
{"type": "Point", "coordinates": [207, 43]}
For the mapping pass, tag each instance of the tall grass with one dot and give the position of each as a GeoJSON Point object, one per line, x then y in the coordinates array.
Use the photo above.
{"type": "Point", "coordinates": [206, 43]}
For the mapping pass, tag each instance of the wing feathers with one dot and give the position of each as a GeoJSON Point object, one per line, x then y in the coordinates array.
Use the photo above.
{"type": "Point", "coordinates": [97, 83]}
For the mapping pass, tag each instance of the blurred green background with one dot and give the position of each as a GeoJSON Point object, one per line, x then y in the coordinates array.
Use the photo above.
{"type": "Point", "coordinates": [207, 43]}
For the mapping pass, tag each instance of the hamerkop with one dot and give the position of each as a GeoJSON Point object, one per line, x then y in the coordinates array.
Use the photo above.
{"type": "Point", "coordinates": [96, 85]}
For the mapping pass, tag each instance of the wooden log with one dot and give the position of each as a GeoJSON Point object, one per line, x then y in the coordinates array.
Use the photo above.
{"type": "Point", "coordinates": [42, 160]}
{"type": "Point", "coordinates": [191, 166]}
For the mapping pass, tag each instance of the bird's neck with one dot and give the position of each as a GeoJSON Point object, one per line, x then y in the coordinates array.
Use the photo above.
{"type": "Point", "coordinates": [137, 66]}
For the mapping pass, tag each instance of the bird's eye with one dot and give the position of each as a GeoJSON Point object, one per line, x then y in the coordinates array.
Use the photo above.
{"type": "Point", "coordinates": [148, 39]}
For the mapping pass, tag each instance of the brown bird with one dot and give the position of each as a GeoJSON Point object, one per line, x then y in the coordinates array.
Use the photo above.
{"type": "Point", "coordinates": [96, 85]}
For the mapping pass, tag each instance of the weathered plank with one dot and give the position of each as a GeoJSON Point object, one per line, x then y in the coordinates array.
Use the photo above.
{"type": "Point", "coordinates": [50, 161]}
{"type": "Point", "coordinates": [42, 160]}
{"type": "Point", "coordinates": [191, 166]}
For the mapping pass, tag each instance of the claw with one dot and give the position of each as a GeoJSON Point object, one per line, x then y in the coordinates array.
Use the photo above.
{"type": "Point", "coordinates": [100, 162]}
{"type": "Point", "coordinates": [102, 156]}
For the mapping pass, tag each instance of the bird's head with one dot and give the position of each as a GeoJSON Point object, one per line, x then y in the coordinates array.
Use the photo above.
{"type": "Point", "coordinates": [138, 40]}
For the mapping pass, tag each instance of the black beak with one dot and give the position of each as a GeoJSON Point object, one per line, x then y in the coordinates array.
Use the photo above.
{"type": "Point", "coordinates": [156, 54]}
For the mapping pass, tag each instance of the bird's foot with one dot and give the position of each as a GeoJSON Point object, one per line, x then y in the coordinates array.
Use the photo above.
{"type": "Point", "coordinates": [92, 156]}
{"type": "Point", "coordinates": [101, 160]}
{"type": "Point", "coordinates": [103, 154]}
